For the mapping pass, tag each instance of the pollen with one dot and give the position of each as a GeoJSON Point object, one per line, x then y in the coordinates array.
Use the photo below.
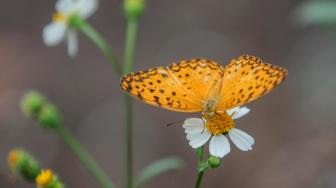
{"type": "Point", "coordinates": [218, 123]}
{"type": "Point", "coordinates": [59, 17]}
{"type": "Point", "coordinates": [44, 178]}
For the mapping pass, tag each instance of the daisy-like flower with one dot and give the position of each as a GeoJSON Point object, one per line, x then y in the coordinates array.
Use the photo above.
{"type": "Point", "coordinates": [60, 29]}
{"type": "Point", "coordinates": [221, 126]}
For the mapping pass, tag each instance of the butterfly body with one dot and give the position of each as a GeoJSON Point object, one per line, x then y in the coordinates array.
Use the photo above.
{"type": "Point", "coordinates": [201, 85]}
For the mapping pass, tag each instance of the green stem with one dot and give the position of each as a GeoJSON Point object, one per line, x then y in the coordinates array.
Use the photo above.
{"type": "Point", "coordinates": [85, 158]}
{"type": "Point", "coordinates": [200, 153]}
{"type": "Point", "coordinates": [128, 67]}
{"type": "Point", "coordinates": [103, 46]}
{"type": "Point", "coordinates": [201, 168]}
{"type": "Point", "coordinates": [131, 35]}
{"type": "Point", "coordinates": [199, 179]}
{"type": "Point", "coordinates": [128, 142]}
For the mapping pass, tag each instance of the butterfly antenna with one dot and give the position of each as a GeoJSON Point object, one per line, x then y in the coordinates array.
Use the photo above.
{"type": "Point", "coordinates": [174, 122]}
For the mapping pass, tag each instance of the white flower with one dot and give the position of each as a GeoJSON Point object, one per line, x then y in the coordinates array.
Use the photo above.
{"type": "Point", "coordinates": [59, 30]}
{"type": "Point", "coordinates": [199, 131]}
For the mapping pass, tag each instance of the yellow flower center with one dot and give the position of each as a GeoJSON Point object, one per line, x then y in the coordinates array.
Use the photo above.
{"type": "Point", "coordinates": [12, 159]}
{"type": "Point", "coordinates": [44, 178]}
{"type": "Point", "coordinates": [59, 17]}
{"type": "Point", "coordinates": [218, 123]}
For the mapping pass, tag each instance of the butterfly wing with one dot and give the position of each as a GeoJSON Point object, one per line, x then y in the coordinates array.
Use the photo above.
{"type": "Point", "coordinates": [247, 78]}
{"type": "Point", "coordinates": [182, 86]}
{"type": "Point", "coordinates": [197, 77]}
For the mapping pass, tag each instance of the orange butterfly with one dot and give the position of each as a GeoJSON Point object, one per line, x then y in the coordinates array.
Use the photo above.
{"type": "Point", "coordinates": [201, 85]}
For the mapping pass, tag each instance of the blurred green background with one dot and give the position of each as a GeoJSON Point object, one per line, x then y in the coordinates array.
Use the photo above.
{"type": "Point", "coordinates": [294, 126]}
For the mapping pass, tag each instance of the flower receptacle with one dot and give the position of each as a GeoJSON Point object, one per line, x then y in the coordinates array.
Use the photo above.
{"type": "Point", "coordinates": [75, 21]}
{"type": "Point", "coordinates": [134, 8]}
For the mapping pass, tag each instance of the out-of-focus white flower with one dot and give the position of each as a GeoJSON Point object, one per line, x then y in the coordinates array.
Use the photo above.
{"type": "Point", "coordinates": [60, 30]}
{"type": "Point", "coordinates": [221, 126]}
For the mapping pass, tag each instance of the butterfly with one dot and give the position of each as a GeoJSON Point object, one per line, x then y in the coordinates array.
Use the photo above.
{"type": "Point", "coordinates": [202, 85]}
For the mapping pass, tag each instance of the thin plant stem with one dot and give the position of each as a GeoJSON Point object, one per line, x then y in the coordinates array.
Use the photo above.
{"type": "Point", "coordinates": [129, 142]}
{"type": "Point", "coordinates": [103, 46]}
{"type": "Point", "coordinates": [200, 153]}
{"type": "Point", "coordinates": [132, 27]}
{"type": "Point", "coordinates": [128, 67]}
{"type": "Point", "coordinates": [84, 157]}
{"type": "Point", "coordinates": [199, 179]}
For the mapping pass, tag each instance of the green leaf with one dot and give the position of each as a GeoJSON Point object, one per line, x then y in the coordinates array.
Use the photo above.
{"type": "Point", "coordinates": [157, 168]}
{"type": "Point", "coordinates": [317, 12]}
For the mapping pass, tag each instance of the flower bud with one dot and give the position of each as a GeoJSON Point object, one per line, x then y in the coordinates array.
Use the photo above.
{"type": "Point", "coordinates": [22, 164]}
{"type": "Point", "coordinates": [31, 103]}
{"type": "Point", "coordinates": [47, 179]}
{"type": "Point", "coordinates": [37, 107]}
{"type": "Point", "coordinates": [214, 162]}
{"type": "Point", "coordinates": [49, 116]}
{"type": "Point", "coordinates": [134, 8]}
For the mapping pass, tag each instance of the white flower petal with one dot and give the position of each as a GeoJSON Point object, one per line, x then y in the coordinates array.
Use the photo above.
{"type": "Point", "coordinates": [232, 110]}
{"type": "Point", "coordinates": [193, 125]}
{"type": "Point", "coordinates": [72, 41]}
{"type": "Point", "coordinates": [219, 146]}
{"type": "Point", "coordinates": [192, 122]}
{"type": "Point", "coordinates": [54, 33]}
{"type": "Point", "coordinates": [240, 112]}
{"type": "Point", "coordinates": [65, 6]}
{"type": "Point", "coordinates": [87, 7]}
{"type": "Point", "coordinates": [248, 137]}
{"type": "Point", "coordinates": [241, 139]}
{"type": "Point", "coordinates": [196, 130]}
{"type": "Point", "coordinates": [198, 140]}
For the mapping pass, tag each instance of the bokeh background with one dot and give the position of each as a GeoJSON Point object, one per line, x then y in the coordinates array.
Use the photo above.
{"type": "Point", "coordinates": [294, 125]}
